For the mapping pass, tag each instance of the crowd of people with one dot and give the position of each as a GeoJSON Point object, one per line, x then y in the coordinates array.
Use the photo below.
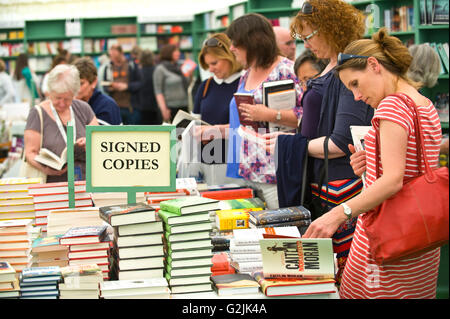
{"type": "Point", "coordinates": [340, 80]}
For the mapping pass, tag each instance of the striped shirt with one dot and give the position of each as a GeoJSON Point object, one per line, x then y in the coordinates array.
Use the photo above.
{"type": "Point", "coordinates": [411, 277]}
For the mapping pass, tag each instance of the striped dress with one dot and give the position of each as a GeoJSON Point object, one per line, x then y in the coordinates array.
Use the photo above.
{"type": "Point", "coordinates": [408, 278]}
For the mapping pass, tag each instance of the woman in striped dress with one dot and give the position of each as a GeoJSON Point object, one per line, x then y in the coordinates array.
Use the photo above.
{"type": "Point", "coordinates": [374, 69]}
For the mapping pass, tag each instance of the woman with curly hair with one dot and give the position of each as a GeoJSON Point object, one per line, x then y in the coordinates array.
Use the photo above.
{"type": "Point", "coordinates": [328, 110]}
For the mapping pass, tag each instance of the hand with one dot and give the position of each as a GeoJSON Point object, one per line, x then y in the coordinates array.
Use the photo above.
{"type": "Point", "coordinates": [271, 140]}
{"type": "Point", "coordinates": [53, 172]}
{"type": "Point", "coordinates": [326, 225]}
{"type": "Point", "coordinates": [205, 133]}
{"type": "Point", "coordinates": [81, 142]}
{"type": "Point", "coordinates": [119, 86]}
{"type": "Point", "coordinates": [357, 160]}
{"type": "Point", "coordinates": [254, 112]}
{"type": "Point", "coordinates": [166, 114]}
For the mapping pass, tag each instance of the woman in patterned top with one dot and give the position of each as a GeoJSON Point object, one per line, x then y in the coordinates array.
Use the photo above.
{"type": "Point", "coordinates": [375, 69]}
{"type": "Point", "coordinates": [254, 45]}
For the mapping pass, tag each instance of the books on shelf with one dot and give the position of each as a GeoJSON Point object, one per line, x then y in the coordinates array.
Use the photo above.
{"type": "Point", "coordinates": [145, 288]}
{"type": "Point", "coordinates": [308, 258]}
{"type": "Point", "coordinates": [234, 284]}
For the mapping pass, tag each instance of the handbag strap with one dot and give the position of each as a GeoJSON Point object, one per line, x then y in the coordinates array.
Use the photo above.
{"type": "Point", "coordinates": [206, 86]}
{"type": "Point", "coordinates": [39, 110]}
{"type": "Point", "coordinates": [420, 144]}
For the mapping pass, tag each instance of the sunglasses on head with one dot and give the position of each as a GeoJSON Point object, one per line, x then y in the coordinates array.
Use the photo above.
{"type": "Point", "coordinates": [213, 42]}
{"type": "Point", "coordinates": [342, 57]}
{"type": "Point", "coordinates": [307, 8]}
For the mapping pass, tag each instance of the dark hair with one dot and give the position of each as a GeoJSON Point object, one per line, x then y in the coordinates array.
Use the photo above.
{"type": "Point", "coordinates": [166, 52]}
{"type": "Point", "coordinates": [146, 58]}
{"type": "Point", "coordinates": [390, 52]}
{"type": "Point", "coordinates": [86, 68]}
{"type": "Point", "coordinates": [308, 56]}
{"type": "Point", "coordinates": [58, 60]}
{"type": "Point", "coordinates": [255, 34]}
{"type": "Point", "coordinates": [21, 63]}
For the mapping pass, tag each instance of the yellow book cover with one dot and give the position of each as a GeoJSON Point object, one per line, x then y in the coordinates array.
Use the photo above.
{"type": "Point", "coordinates": [233, 218]}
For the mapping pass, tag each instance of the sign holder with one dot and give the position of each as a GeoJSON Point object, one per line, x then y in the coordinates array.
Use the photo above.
{"type": "Point", "coordinates": [126, 133]}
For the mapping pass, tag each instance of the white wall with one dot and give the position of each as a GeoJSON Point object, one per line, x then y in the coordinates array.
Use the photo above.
{"type": "Point", "coordinates": [21, 10]}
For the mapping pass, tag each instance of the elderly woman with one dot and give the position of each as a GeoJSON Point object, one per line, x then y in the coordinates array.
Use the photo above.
{"type": "Point", "coordinates": [57, 110]}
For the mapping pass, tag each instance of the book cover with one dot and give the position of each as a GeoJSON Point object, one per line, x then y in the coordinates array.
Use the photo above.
{"type": "Point", "coordinates": [276, 86]}
{"type": "Point", "coordinates": [83, 235]}
{"type": "Point", "coordinates": [7, 272]}
{"type": "Point", "coordinates": [279, 215]}
{"type": "Point", "coordinates": [52, 271]}
{"type": "Point", "coordinates": [294, 286]}
{"type": "Point", "coordinates": [234, 281]}
{"type": "Point", "coordinates": [190, 227]}
{"type": "Point", "coordinates": [142, 228]}
{"type": "Point", "coordinates": [14, 184]}
{"type": "Point", "coordinates": [358, 133]}
{"type": "Point", "coordinates": [245, 98]}
{"type": "Point", "coordinates": [174, 219]}
{"type": "Point", "coordinates": [124, 214]}
{"type": "Point", "coordinates": [241, 203]}
{"type": "Point", "coordinates": [252, 236]}
{"type": "Point", "coordinates": [141, 251]}
{"type": "Point", "coordinates": [139, 240]}
{"type": "Point", "coordinates": [233, 219]}
{"type": "Point", "coordinates": [297, 258]}
{"type": "Point", "coordinates": [229, 194]}
{"type": "Point", "coordinates": [189, 205]}
{"type": "Point", "coordinates": [47, 244]}
{"type": "Point", "coordinates": [302, 223]}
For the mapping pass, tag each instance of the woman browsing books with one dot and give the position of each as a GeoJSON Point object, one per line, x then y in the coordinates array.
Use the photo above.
{"type": "Point", "coordinates": [57, 111]}
{"type": "Point", "coordinates": [254, 45]}
{"type": "Point", "coordinates": [375, 69]}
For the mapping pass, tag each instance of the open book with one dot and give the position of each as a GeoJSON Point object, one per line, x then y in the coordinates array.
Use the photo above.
{"type": "Point", "coordinates": [48, 158]}
{"type": "Point", "coordinates": [358, 133]}
{"type": "Point", "coordinates": [182, 119]}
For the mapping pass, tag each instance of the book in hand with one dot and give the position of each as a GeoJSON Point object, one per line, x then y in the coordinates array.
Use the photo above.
{"type": "Point", "coordinates": [189, 205]}
{"type": "Point", "coordinates": [279, 215]}
{"type": "Point", "coordinates": [308, 258]}
{"type": "Point", "coordinates": [294, 286]}
{"type": "Point", "coordinates": [276, 86]}
{"type": "Point", "coordinates": [125, 214]}
{"type": "Point", "coordinates": [182, 119]}
{"type": "Point", "coordinates": [245, 98]}
{"type": "Point", "coordinates": [50, 159]}
{"type": "Point", "coordinates": [358, 134]}
{"type": "Point", "coordinates": [84, 235]}
{"type": "Point", "coordinates": [234, 284]}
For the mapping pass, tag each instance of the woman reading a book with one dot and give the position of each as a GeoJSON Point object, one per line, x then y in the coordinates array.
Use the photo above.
{"type": "Point", "coordinates": [56, 112]}
{"type": "Point", "coordinates": [254, 45]}
{"type": "Point", "coordinates": [328, 112]}
{"type": "Point", "coordinates": [212, 104]}
{"type": "Point", "coordinates": [374, 69]}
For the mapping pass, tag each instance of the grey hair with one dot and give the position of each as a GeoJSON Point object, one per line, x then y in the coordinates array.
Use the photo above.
{"type": "Point", "coordinates": [425, 66]}
{"type": "Point", "coordinates": [64, 78]}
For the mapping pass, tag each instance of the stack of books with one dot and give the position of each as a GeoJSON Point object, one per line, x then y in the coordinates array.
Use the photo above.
{"type": "Point", "coordinates": [245, 251]}
{"type": "Point", "coordinates": [15, 242]}
{"type": "Point", "coordinates": [88, 245]}
{"type": "Point", "coordinates": [60, 221]}
{"type": "Point", "coordinates": [81, 282]}
{"type": "Point", "coordinates": [235, 284]}
{"type": "Point", "coordinates": [138, 247]}
{"type": "Point", "coordinates": [184, 187]}
{"type": "Point", "coordinates": [15, 202]}
{"type": "Point", "coordinates": [40, 283]}
{"type": "Point", "coordinates": [220, 240]}
{"type": "Point", "coordinates": [47, 251]}
{"type": "Point", "coordinates": [151, 288]}
{"type": "Point", "coordinates": [9, 285]}
{"type": "Point", "coordinates": [188, 247]}
{"type": "Point", "coordinates": [233, 213]}
{"type": "Point", "coordinates": [289, 216]}
{"type": "Point", "coordinates": [221, 265]}
{"type": "Point", "coordinates": [309, 270]}
{"type": "Point", "coordinates": [101, 199]}
{"type": "Point", "coordinates": [54, 196]}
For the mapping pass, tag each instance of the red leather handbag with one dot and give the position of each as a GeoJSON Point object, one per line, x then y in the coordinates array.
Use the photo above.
{"type": "Point", "coordinates": [414, 220]}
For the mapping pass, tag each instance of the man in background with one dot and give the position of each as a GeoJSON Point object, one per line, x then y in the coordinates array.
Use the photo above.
{"type": "Point", "coordinates": [285, 42]}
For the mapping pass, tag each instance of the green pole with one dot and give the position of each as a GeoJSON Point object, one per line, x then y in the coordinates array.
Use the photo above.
{"type": "Point", "coordinates": [70, 165]}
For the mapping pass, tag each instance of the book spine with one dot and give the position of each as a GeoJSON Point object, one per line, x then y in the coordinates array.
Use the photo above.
{"type": "Point", "coordinates": [298, 223]}
{"type": "Point", "coordinates": [279, 216]}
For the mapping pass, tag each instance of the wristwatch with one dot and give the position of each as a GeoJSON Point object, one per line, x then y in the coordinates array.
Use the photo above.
{"type": "Point", "coordinates": [347, 210]}
{"type": "Point", "coordinates": [278, 118]}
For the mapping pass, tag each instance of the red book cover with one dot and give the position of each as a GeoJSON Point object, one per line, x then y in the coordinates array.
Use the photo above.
{"type": "Point", "coordinates": [246, 98]}
{"type": "Point", "coordinates": [220, 262]}
{"type": "Point", "coordinates": [229, 194]}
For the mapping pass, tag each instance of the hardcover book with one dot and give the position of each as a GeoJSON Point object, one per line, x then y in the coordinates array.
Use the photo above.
{"type": "Point", "coordinates": [279, 215]}
{"type": "Point", "coordinates": [228, 194]}
{"type": "Point", "coordinates": [276, 86]}
{"type": "Point", "coordinates": [302, 223]}
{"type": "Point", "coordinates": [252, 236]}
{"type": "Point", "coordinates": [226, 285]}
{"type": "Point", "coordinates": [189, 205]}
{"type": "Point", "coordinates": [245, 98]}
{"type": "Point", "coordinates": [56, 188]}
{"type": "Point", "coordinates": [7, 272]}
{"type": "Point", "coordinates": [138, 229]}
{"type": "Point", "coordinates": [309, 258]}
{"type": "Point", "coordinates": [241, 203]}
{"type": "Point", "coordinates": [125, 214]}
{"type": "Point", "coordinates": [84, 235]}
{"type": "Point", "coordinates": [38, 272]}
{"type": "Point", "coordinates": [124, 287]}
{"type": "Point", "coordinates": [174, 219]}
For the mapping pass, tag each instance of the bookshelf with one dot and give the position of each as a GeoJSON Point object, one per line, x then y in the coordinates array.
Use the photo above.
{"type": "Point", "coordinates": [11, 43]}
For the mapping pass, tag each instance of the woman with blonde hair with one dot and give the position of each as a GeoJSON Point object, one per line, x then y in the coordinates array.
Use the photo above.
{"type": "Point", "coordinates": [374, 70]}
{"type": "Point", "coordinates": [212, 105]}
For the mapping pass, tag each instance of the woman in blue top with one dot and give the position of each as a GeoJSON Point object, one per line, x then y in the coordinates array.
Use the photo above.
{"type": "Point", "coordinates": [211, 104]}
{"type": "Point", "coordinates": [254, 45]}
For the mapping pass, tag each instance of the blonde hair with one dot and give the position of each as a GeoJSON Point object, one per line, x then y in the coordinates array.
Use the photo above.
{"type": "Point", "coordinates": [390, 52]}
{"type": "Point", "coordinates": [222, 51]}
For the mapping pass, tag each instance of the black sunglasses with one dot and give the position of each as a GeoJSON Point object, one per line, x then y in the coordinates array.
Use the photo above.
{"type": "Point", "coordinates": [307, 8]}
{"type": "Point", "coordinates": [342, 57]}
{"type": "Point", "coordinates": [213, 42]}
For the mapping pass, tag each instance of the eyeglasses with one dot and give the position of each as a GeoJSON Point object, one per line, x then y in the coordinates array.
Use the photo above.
{"type": "Point", "coordinates": [213, 42]}
{"type": "Point", "coordinates": [307, 8]}
{"type": "Point", "coordinates": [342, 57]}
{"type": "Point", "coordinates": [305, 82]}
{"type": "Point", "coordinates": [308, 37]}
